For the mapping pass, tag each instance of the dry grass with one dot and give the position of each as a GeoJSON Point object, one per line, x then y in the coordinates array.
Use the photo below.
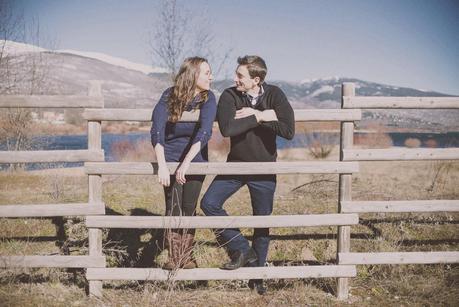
{"type": "Point", "coordinates": [418, 285]}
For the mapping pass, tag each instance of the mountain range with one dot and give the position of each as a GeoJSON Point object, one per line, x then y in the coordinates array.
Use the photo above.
{"type": "Point", "coordinates": [131, 85]}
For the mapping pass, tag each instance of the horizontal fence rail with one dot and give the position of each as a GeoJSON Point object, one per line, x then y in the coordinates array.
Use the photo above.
{"type": "Point", "coordinates": [48, 156]}
{"type": "Point", "coordinates": [52, 261]}
{"type": "Point", "coordinates": [78, 209]}
{"type": "Point", "coordinates": [401, 154]}
{"type": "Point", "coordinates": [399, 258]}
{"type": "Point", "coordinates": [376, 102]}
{"type": "Point", "coordinates": [141, 115]}
{"type": "Point", "coordinates": [224, 168]}
{"type": "Point", "coordinates": [271, 221]}
{"type": "Point", "coordinates": [145, 115]}
{"type": "Point", "coordinates": [51, 101]}
{"type": "Point", "coordinates": [319, 271]}
{"type": "Point", "coordinates": [400, 206]}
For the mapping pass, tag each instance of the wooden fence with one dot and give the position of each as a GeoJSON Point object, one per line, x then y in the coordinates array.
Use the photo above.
{"type": "Point", "coordinates": [96, 167]}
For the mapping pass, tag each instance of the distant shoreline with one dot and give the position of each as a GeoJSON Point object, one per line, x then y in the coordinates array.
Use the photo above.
{"type": "Point", "coordinates": [48, 129]}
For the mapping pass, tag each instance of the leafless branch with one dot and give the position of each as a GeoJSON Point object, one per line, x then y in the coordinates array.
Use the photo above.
{"type": "Point", "coordinates": [179, 32]}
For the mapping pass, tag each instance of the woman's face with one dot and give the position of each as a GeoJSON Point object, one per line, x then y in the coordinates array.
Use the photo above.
{"type": "Point", "coordinates": [204, 78]}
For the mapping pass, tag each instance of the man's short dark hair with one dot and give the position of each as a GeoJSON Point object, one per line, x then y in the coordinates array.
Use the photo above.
{"type": "Point", "coordinates": [255, 65]}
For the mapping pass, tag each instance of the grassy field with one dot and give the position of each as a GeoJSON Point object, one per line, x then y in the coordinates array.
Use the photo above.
{"type": "Point", "coordinates": [413, 285]}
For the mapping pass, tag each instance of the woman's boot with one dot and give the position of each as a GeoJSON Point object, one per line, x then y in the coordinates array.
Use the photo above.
{"type": "Point", "coordinates": [174, 244]}
{"type": "Point", "coordinates": [188, 260]}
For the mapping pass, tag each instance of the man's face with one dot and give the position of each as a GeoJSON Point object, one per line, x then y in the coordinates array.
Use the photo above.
{"type": "Point", "coordinates": [243, 80]}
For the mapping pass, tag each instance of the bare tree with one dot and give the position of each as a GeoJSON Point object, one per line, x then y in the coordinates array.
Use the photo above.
{"type": "Point", "coordinates": [179, 32]}
{"type": "Point", "coordinates": [11, 29]}
{"type": "Point", "coordinates": [167, 38]}
{"type": "Point", "coordinates": [19, 74]}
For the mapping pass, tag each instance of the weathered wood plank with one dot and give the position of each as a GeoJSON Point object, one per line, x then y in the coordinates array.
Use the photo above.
{"type": "Point", "coordinates": [321, 271]}
{"type": "Point", "coordinates": [376, 102]}
{"type": "Point", "coordinates": [94, 135]}
{"type": "Point", "coordinates": [50, 101]}
{"type": "Point", "coordinates": [142, 115]}
{"type": "Point", "coordinates": [145, 115]}
{"type": "Point", "coordinates": [213, 168]}
{"type": "Point", "coordinates": [345, 190]}
{"type": "Point", "coordinates": [328, 115]}
{"type": "Point", "coordinates": [78, 209]}
{"type": "Point", "coordinates": [401, 154]}
{"type": "Point", "coordinates": [400, 206]}
{"type": "Point", "coordinates": [52, 261]}
{"type": "Point", "coordinates": [37, 156]}
{"type": "Point", "coordinates": [220, 221]}
{"type": "Point", "coordinates": [95, 189]}
{"type": "Point", "coordinates": [399, 258]}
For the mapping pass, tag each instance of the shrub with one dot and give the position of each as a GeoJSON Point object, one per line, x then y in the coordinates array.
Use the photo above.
{"type": "Point", "coordinates": [378, 138]}
{"type": "Point", "coordinates": [431, 143]}
{"type": "Point", "coordinates": [139, 151]}
{"type": "Point", "coordinates": [412, 143]}
{"type": "Point", "coordinates": [319, 150]}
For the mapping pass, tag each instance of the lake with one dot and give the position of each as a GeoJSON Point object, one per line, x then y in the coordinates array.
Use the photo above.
{"type": "Point", "coordinates": [69, 142]}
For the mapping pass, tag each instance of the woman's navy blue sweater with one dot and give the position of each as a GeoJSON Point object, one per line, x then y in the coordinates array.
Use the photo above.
{"type": "Point", "coordinates": [177, 138]}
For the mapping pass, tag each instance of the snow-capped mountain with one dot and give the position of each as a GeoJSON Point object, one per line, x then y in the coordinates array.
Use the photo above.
{"type": "Point", "coordinates": [317, 93]}
{"type": "Point", "coordinates": [67, 72]}
{"type": "Point", "coordinates": [304, 81]}
{"type": "Point", "coordinates": [14, 48]}
{"type": "Point", "coordinates": [11, 48]}
{"type": "Point", "coordinates": [115, 61]}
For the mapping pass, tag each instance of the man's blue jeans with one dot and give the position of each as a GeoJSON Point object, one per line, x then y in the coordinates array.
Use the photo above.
{"type": "Point", "coordinates": [261, 188]}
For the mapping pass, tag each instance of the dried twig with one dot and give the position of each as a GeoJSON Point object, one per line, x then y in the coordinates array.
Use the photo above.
{"type": "Point", "coordinates": [312, 182]}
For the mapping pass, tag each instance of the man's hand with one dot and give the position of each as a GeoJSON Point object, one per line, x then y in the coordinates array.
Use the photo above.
{"type": "Point", "coordinates": [262, 116]}
{"type": "Point", "coordinates": [164, 176]}
{"type": "Point", "coordinates": [246, 112]}
{"type": "Point", "coordinates": [181, 171]}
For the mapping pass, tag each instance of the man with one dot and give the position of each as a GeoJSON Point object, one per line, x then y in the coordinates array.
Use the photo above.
{"type": "Point", "coordinates": [252, 114]}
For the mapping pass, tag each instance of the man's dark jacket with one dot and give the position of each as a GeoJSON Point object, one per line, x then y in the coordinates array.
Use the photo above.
{"type": "Point", "coordinates": [252, 141]}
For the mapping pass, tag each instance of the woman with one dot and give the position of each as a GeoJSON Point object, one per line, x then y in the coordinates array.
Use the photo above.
{"type": "Point", "coordinates": [183, 142]}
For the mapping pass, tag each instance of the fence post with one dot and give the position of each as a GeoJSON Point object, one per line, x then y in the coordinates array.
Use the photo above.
{"type": "Point", "coordinates": [95, 188]}
{"type": "Point", "coordinates": [345, 191]}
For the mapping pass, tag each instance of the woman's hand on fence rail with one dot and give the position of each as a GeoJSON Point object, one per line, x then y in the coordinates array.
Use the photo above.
{"type": "Point", "coordinates": [164, 175]}
{"type": "Point", "coordinates": [181, 171]}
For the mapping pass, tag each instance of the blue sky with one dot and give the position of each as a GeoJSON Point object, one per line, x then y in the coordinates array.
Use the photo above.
{"type": "Point", "coordinates": [413, 43]}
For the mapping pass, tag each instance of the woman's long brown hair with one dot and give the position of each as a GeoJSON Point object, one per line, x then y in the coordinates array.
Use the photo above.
{"type": "Point", "coordinates": [184, 88]}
